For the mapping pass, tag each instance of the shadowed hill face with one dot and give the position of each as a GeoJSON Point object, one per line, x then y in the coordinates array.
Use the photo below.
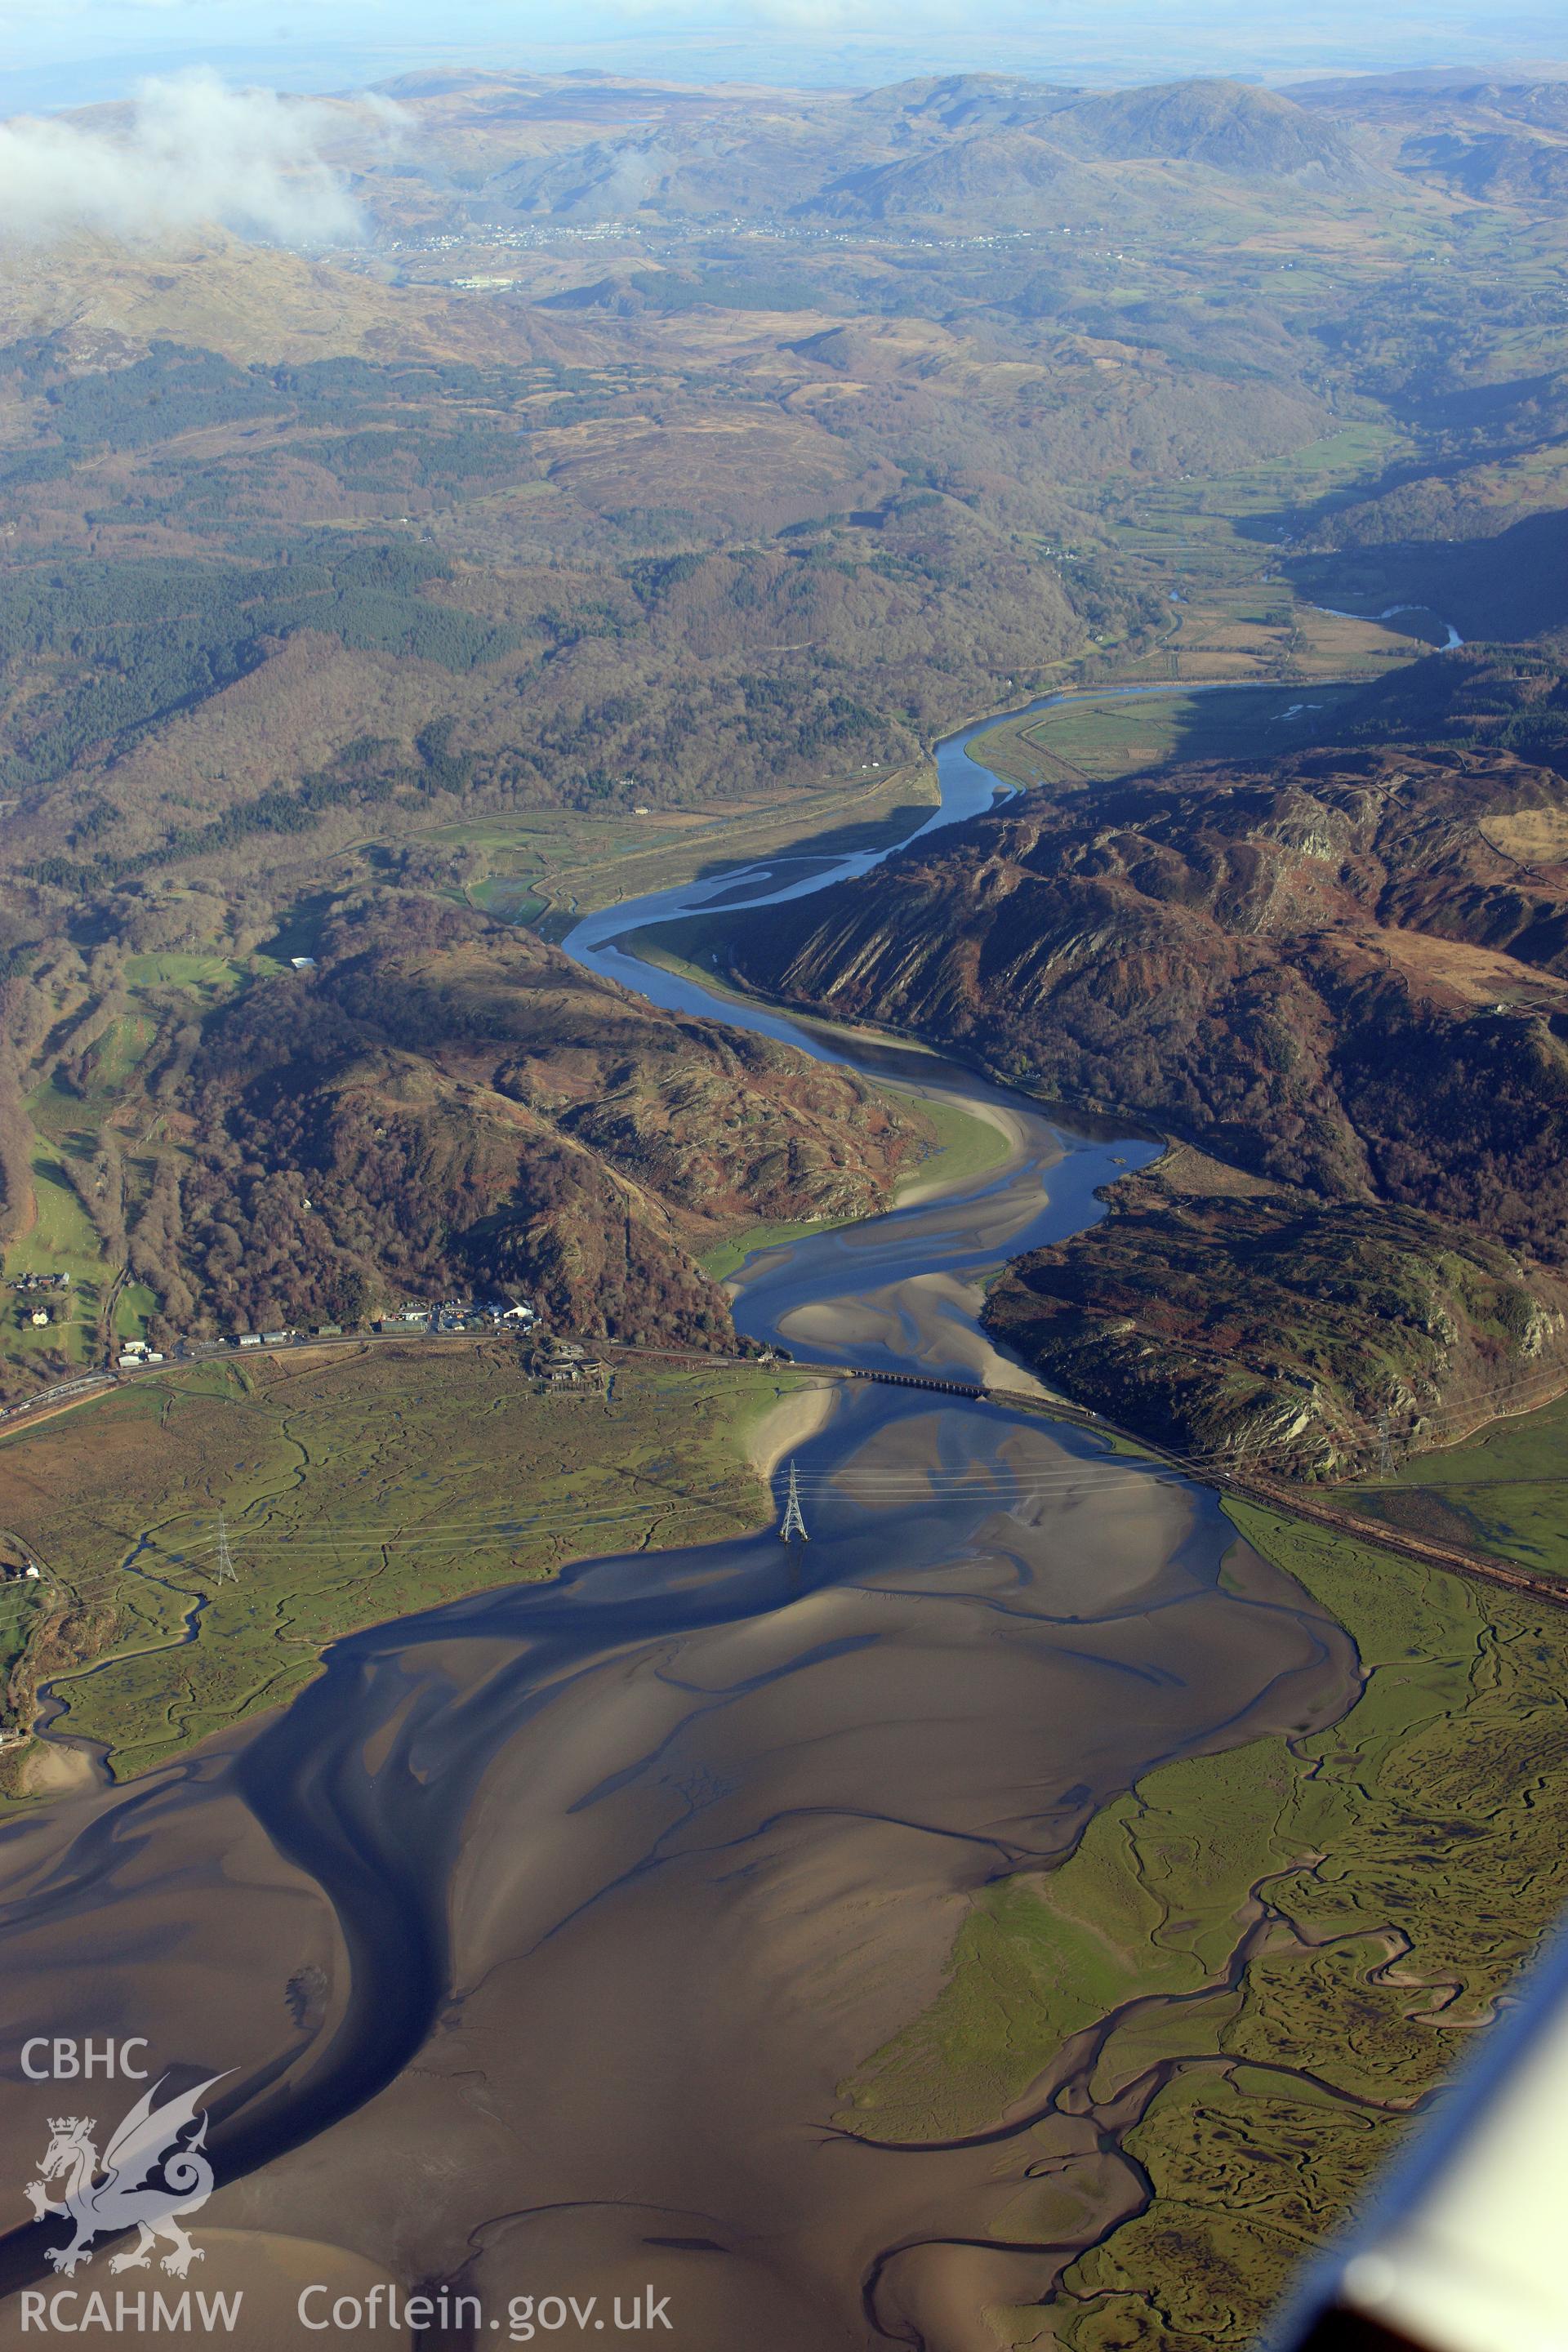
{"type": "Point", "coordinates": [1516, 167]}
{"type": "Point", "coordinates": [1465, 544]}
{"type": "Point", "coordinates": [1411, 98]}
{"type": "Point", "coordinates": [1511, 697]}
{"type": "Point", "coordinates": [1489, 141]}
{"type": "Point", "coordinates": [1338, 976]}
{"type": "Point", "coordinates": [967, 102]}
{"type": "Point", "coordinates": [1225, 124]}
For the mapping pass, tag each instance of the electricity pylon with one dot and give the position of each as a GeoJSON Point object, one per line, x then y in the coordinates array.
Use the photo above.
{"type": "Point", "coordinates": [225, 1572]}
{"type": "Point", "coordinates": [794, 1525]}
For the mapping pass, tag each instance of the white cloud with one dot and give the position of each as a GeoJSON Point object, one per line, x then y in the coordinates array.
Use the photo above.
{"type": "Point", "coordinates": [192, 153]}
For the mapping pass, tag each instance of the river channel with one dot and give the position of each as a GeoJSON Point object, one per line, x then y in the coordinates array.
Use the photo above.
{"type": "Point", "coordinates": [535, 1941]}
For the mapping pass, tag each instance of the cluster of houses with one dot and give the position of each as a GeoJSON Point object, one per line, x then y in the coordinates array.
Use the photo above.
{"type": "Point", "coordinates": [455, 1315]}
{"type": "Point", "coordinates": [558, 1364]}
{"type": "Point", "coordinates": [33, 1307]}
{"type": "Point", "coordinates": [447, 1314]}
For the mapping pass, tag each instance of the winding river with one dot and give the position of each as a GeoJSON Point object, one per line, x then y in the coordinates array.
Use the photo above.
{"type": "Point", "coordinates": [535, 1940]}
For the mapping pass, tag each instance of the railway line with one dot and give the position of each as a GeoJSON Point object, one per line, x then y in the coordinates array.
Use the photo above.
{"type": "Point", "coordinates": [1249, 1486]}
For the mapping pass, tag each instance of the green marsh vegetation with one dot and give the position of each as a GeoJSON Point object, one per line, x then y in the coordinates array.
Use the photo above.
{"type": "Point", "coordinates": [731, 1256]}
{"type": "Point", "coordinates": [1396, 1872]}
{"type": "Point", "coordinates": [356, 1485]}
{"type": "Point", "coordinates": [965, 1148]}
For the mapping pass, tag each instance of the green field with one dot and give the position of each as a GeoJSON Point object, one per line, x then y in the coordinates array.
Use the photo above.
{"type": "Point", "coordinates": [508, 900]}
{"type": "Point", "coordinates": [62, 1113]}
{"type": "Point", "coordinates": [1210, 550]}
{"type": "Point", "coordinates": [207, 977]}
{"type": "Point", "coordinates": [570, 860]}
{"type": "Point", "coordinates": [1505, 1491]}
{"type": "Point", "coordinates": [355, 1486]}
{"type": "Point", "coordinates": [1302, 477]}
{"type": "Point", "coordinates": [61, 1239]}
{"type": "Point", "coordinates": [120, 1053]}
{"type": "Point", "coordinates": [134, 1309]}
{"type": "Point", "coordinates": [82, 1125]}
{"type": "Point", "coordinates": [18, 1612]}
{"type": "Point", "coordinates": [1436, 1811]}
{"type": "Point", "coordinates": [1092, 739]}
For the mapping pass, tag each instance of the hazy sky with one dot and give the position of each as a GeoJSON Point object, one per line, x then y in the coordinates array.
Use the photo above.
{"type": "Point", "coordinates": [60, 52]}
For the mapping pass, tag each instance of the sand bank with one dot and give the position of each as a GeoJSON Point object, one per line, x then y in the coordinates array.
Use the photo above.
{"type": "Point", "coordinates": [798, 1414]}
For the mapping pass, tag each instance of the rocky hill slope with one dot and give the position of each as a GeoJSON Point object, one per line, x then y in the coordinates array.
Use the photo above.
{"type": "Point", "coordinates": [445, 1106]}
{"type": "Point", "coordinates": [1280, 1326]}
{"type": "Point", "coordinates": [1349, 977]}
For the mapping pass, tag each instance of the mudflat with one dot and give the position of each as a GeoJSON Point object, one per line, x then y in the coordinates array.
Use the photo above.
{"type": "Point", "coordinates": [629, 1872]}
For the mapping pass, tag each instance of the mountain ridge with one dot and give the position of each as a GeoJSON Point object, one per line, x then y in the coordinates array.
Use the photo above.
{"type": "Point", "coordinates": [1348, 975]}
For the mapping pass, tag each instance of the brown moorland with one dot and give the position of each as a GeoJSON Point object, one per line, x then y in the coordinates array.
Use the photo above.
{"type": "Point", "coordinates": [1329, 976]}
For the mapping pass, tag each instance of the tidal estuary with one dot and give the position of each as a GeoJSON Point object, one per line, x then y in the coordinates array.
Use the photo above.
{"type": "Point", "coordinates": [535, 1941]}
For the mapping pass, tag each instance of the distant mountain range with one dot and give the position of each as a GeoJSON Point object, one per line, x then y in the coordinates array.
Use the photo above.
{"type": "Point", "coordinates": [1497, 139]}
{"type": "Point", "coordinates": [981, 148]}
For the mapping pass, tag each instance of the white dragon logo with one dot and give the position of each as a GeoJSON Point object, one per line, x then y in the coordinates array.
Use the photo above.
{"type": "Point", "coordinates": [148, 2143]}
